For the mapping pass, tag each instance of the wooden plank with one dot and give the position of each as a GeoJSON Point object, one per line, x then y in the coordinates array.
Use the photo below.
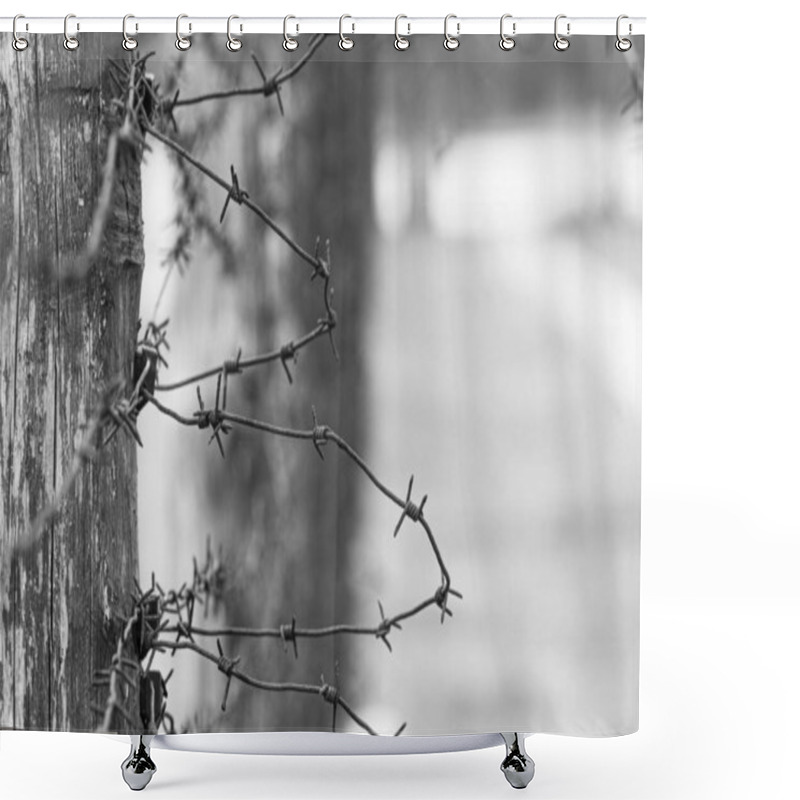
{"type": "Point", "coordinates": [61, 342]}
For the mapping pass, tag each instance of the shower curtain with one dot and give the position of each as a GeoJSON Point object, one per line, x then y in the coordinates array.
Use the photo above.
{"type": "Point", "coordinates": [320, 386]}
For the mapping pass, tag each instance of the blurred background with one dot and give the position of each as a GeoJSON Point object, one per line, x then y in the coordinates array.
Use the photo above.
{"type": "Point", "coordinates": [485, 227]}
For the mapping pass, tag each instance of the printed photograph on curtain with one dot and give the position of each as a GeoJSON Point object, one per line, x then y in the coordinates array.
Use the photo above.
{"type": "Point", "coordinates": [320, 386]}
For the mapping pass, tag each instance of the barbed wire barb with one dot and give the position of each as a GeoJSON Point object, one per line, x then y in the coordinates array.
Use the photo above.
{"type": "Point", "coordinates": [288, 633]}
{"type": "Point", "coordinates": [227, 666]}
{"type": "Point", "coordinates": [410, 510]}
{"type": "Point", "coordinates": [235, 193]}
{"type": "Point", "coordinates": [271, 86]}
{"type": "Point", "coordinates": [268, 87]}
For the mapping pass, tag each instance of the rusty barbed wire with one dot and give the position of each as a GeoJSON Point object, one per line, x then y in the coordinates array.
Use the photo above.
{"type": "Point", "coordinates": [290, 633]}
{"type": "Point", "coordinates": [142, 633]}
{"type": "Point", "coordinates": [117, 679]}
{"type": "Point", "coordinates": [127, 676]}
{"type": "Point", "coordinates": [320, 264]}
{"type": "Point", "coordinates": [268, 87]}
{"type": "Point", "coordinates": [158, 613]}
{"type": "Point", "coordinates": [285, 353]}
{"type": "Point", "coordinates": [229, 668]}
{"type": "Point", "coordinates": [319, 436]}
{"type": "Point", "coordinates": [138, 104]}
{"type": "Point", "coordinates": [146, 621]}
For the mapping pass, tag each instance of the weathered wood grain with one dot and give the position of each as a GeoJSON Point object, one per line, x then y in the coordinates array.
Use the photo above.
{"type": "Point", "coordinates": [61, 342]}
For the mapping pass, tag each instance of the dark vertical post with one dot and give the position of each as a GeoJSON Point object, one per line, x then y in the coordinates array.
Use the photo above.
{"type": "Point", "coordinates": [61, 342]}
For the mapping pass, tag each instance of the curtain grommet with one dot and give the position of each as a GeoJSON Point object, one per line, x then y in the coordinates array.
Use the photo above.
{"type": "Point", "coordinates": [183, 43]}
{"type": "Point", "coordinates": [507, 42]}
{"type": "Point", "coordinates": [561, 43]}
{"type": "Point", "coordinates": [233, 44]}
{"type": "Point", "coordinates": [128, 42]}
{"type": "Point", "coordinates": [401, 43]}
{"type": "Point", "coordinates": [71, 42]}
{"type": "Point", "coordinates": [289, 43]}
{"type": "Point", "coordinates": [451, 42]}
{"type": "Point", "coordinates": [622, 44]}
{"type": "Point", "coordinates": [19, 43]}
{"type": "Point", "coordinates": [345, 42]}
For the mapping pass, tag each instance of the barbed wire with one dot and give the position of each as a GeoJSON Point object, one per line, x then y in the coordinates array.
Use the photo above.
{"type": "Point", "coordinates": [268, 87]}
{"type": "Point", "coordinates": [158, 614]}
{"type": "Point", "coordinates": [290, 633]}
{"type": "Point", "coordinates": [138, 103]}
{"type": "Point", "coordinates": [121, 685]}
{"type": "Point", "coordinates": [286, 353]}
{"type": "Point", "coordinates": [319, 263]}
{"type": "Point", "coordinates": [217, 418]}
{"type": "Point", "coordinates": [143, 631]}
{"type": "Point", "coordinates": [146, 621]}
{"type": "Point", "coordinates": [228, 666]}
{"type": "Point", "coordinates": [240, 197]}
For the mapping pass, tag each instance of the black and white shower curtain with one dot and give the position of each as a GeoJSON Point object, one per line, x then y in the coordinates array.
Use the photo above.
{"type": "Point", "coordinates": [320, 386]}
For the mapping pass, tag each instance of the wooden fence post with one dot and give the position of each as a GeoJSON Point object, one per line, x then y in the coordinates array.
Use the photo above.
{"type": "Point", "coordinates": [61, 343]}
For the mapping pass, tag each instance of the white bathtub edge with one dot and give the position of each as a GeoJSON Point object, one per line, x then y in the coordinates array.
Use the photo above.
{"type": "Point", "coordinates": [321, 743]}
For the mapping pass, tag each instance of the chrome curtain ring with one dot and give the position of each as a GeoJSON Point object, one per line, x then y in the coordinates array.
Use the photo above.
{"type": "Point", "coordinates": [128, 42]}
{"type": "Point", "coordinates": [561, 43]}
{"type": "Point", "coordinates": [19, 43]}
{"type": "Point", "coordinates": [507, 42]}
{"type": "Point", "coordinates": [451, 42]}
{"type": "Point", "coordinates": [233, 44]}
{"type": "Point", "coordinates": [622, 44]}
{"type": "Point", "coordinates": [182, 42]}
{"type": "Point", "coordinates": [70, 42]}
{"type": "Point", "coordinates": [289, 43]}
{"type": "Point", "coordinates": [345, 42]}
{"type": "Point", "coordinates": [401, 42]}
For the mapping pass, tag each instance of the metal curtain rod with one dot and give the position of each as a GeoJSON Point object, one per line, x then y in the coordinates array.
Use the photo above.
{"type": "Point", "coordinates": [410, 26]}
